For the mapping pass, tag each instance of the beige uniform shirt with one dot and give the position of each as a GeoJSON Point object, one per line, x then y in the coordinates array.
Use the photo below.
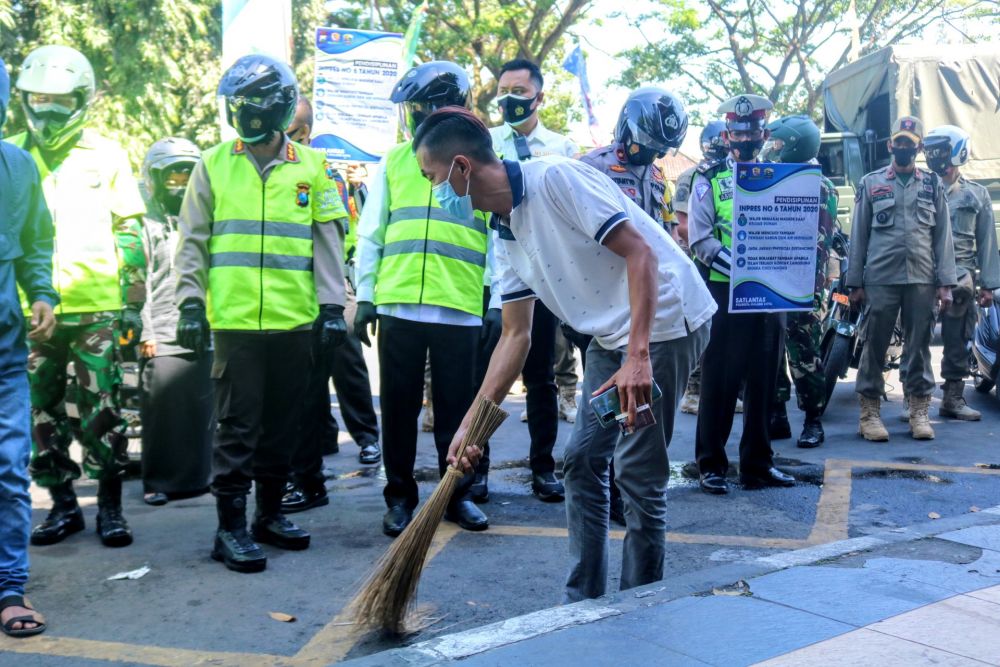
{"type": "Point", "coordinates": [973, 232]}
{"type": "Point", "coordinates": [901, 234]}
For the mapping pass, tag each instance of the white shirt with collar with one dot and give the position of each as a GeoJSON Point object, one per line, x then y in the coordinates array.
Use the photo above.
{"type": "Point", "coordinates": [541, 141]}
{"type": "Point", "coordinates": [552, 248]}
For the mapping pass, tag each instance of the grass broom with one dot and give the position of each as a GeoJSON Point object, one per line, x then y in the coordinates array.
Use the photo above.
{"type": "Point", "coordinates": [388, 595]}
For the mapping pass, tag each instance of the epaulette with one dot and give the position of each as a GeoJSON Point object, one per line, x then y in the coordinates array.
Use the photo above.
{"type": "Point", "coordinates": [708, 168]}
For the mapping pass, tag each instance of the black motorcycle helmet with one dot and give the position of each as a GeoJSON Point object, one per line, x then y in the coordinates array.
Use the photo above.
{"type": "Point", "coordinates": [172, 154]}
{"type": "Point", "coordinates": [428, 87]}
{"type": "Point", "coordinates": [260, 95]}
{"type": "Point", "coordinates": [652, 119]}
{"type": "Point", "coordinates": [713, 144]}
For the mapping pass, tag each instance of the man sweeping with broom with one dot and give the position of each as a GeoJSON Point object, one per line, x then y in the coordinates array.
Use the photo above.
{"type": "Point", "coordinates": [566, 234]}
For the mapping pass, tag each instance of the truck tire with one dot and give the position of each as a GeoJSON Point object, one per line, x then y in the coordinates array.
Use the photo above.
{"type": "Point", "coordinates": [835, 362]}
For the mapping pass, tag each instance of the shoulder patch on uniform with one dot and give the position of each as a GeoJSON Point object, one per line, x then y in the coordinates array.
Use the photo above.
{"type": "Point", "coordinates": [701, 189]}
{"type": "Point", "coordinates": [707, 166]}
{"type": "Point", "coordinates": [617, 167]}
{"type": "Point", "coordinates": [329, 170]}
{"type": "Point", "coordinates": [237, 147]}
{"type": "Point", "coordinates": [291, 155]}
{"type": "Point", "coordinates": [657, 174]}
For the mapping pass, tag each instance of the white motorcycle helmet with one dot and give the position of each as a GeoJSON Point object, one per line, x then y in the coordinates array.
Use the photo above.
{"type": "Point", "coordinates": [945, 147]}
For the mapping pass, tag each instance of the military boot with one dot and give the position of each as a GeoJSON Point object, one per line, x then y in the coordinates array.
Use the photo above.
{"type": "Point", "coordinates": [920, 423]}
{"type": "Point", "coordinates": [233, 546]}
{"type": "Point", "coordinates": [871, 426]}
{"type": "Point", "coordinates": [953, 405]}
{"type": "Point", "coordinates": [270, 526]}
{"type": "Point", "coordinates": [111, 524]}
{"type": "Point", "coordinates": [778, 427]}
{"type": "Point", "coordinates": [812, 432]}
{"type": "Point", "coordinates": [64, 519]}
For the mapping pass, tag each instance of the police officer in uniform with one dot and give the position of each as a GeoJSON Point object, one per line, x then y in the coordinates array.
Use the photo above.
{"type": "Point", "coordinates": [901, 262]}
{"type": "Point", "coordinates": [261, 235]}
{"type": "Point", "coordinates": [420, 282]}
{"type": "Point", "coordinates": [796, 139]}
{"type": "Point", "coordinates": [744, 346]}
{"type": "Point", "coordinates": [974, 235]}
{"type": "Point", "coordinates": [713, 148]}
{"type": "Point", "coordinates": [651, 122]}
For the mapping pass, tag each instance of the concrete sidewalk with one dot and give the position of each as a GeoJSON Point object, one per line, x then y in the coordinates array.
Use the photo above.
{"type": "Point", "coordinates": [927, 594]}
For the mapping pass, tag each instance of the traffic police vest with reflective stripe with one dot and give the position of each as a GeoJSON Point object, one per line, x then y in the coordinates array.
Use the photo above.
{"type": "Point", "coordinates": [261, 249]}
{"type": "Point", "coordinates": [85, 264]}
{"type": "Point", "coordinates": [429, 256]}
{"type": "Point", "coordinates": [722, 195]}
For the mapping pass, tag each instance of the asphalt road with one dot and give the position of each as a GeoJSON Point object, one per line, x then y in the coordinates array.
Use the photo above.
{"type": "Point", "coordinates": [190, 610]}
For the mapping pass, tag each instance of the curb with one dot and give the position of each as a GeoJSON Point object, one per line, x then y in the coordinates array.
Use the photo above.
{"type": "Point", "coordinates": [459, 645]}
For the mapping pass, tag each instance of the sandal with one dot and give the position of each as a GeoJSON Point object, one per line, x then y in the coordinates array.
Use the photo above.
{"type": "Point", "coordinates": [8, 627]}
{"type": "Point", "coordinates": [155, 499]}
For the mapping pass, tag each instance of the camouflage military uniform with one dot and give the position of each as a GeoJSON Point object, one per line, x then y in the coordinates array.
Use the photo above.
{"type": "Point", "coordinates": [803, 333]}
{"type": "Point", "coordinates": [91, 187]}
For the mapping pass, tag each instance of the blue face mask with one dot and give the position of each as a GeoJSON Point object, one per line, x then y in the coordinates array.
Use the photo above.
{"type": "Point", "coordinates": [459, 207]}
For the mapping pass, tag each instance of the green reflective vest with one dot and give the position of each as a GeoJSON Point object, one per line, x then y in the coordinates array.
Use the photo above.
{"type": "Point", "coordinates": [261, 249]}
{"type": "Point", "coordinates": [722, 195]}
{"type": "Point", "coordinates": [429, 257]}
{"type": "Point", "coordinates": [92, 182]}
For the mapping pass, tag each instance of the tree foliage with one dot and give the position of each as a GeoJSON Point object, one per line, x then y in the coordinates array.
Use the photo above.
{"type": "Point", "coordinates": [781, 49]}
{"type": "Point", "coordinates": [156, 62]}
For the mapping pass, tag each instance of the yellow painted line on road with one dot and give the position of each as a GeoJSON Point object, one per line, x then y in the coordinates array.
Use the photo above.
{"type": "Point", "coordinates": [834, 507]}
{"type": "Point", "coordinates": [68, 647]}
{"type": "Point", "coordinates": [683, 538]}
{"type": "Point", "coordinates": [336, 639]}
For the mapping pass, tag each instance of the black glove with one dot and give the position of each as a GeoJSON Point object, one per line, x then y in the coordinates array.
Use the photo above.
{"type": "Point", "coordinates": [365, 317]}
{"type": "Point", "coordinates": [130, 326]}
{"type": "Point", "coordinates": [330, 329]}
{"type": "Point", "coordinates": [192, 326]}
{"type": "Point", "coordinates": [492, 327]}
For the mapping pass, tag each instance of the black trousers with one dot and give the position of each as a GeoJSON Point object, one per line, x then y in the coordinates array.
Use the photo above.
{"type": "Point", "coordinates": [319, 427]}
{"type": "Point", "coordinates": [542, 400]}
{"type": "Point", "coordinates": [402, 352]}
{"type": "Point", "coordinates": [743, 347]}
{"type": "Point", "coordinates": [259, 394]}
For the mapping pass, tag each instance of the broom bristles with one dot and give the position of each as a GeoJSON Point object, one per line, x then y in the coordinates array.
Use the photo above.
{"type": "Point", "coordinates": [389, 592]}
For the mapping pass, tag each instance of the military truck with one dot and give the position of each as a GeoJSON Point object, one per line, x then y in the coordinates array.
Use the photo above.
{"type": "Point", "coordinates": [940, 84]}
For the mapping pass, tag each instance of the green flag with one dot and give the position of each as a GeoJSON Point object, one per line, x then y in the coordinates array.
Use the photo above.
{"type": "Point", "coordinates": [412, 36]}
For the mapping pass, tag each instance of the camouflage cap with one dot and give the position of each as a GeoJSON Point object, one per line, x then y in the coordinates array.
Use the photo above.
{"type": "Point", "coordinates": [909, 127]}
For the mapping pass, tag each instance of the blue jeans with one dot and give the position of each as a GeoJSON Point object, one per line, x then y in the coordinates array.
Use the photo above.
{"type": "Point", "coordinates": [15, 449]}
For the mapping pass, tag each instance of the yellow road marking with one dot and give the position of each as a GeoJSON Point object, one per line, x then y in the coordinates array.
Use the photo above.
{"type": "Point", "coordinates": [68, 647]}
{"type": "Point", "coordinates": [336, 639]}
{"type": "Point", "coordinates": [834, 507]}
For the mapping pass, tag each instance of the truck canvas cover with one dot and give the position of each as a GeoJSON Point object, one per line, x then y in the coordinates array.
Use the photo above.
{"type": "Point", "coordinates": [953, 84]}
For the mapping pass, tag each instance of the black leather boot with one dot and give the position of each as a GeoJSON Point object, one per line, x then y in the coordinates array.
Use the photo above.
{"type": "Point", "coordinates": [778, 426]}
{"type": "Point", "coordinates": [111, 524]}
{"type": "Point", "coordinates": [233, 546]}
{"type": "Point", "coordinates": [64, 519]}
{"type": "Point", "coordinates": [812, 432]}
{"type": "Point", "coordinates": [270, 526]}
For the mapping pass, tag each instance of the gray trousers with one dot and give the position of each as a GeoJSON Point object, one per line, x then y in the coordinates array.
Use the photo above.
{"type": "Point", "coordinates": [914, 304]}
{"type": "Point", "coordinates": [641, 469]}
{"type": "Point", "coordinates": [958, 325]}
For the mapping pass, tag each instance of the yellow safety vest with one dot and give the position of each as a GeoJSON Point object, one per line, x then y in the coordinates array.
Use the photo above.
{"type": "Point", "coordinates": [722, 195]}
{"type": "Point", "coordinates": [429, 256]}
{"type": "Point", "coordinates": [80, 192]}
{"type": "Point", "coordinates": [261, 249]}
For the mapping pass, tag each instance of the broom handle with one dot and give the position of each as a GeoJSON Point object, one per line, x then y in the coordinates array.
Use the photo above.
{"type": "Point", "coordinates": [460, 452]}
